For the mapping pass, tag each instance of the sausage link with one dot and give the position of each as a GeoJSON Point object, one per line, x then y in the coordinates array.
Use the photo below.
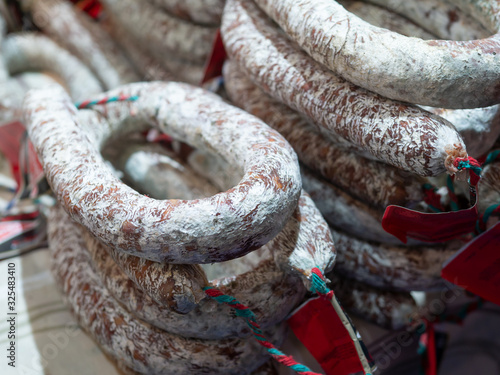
{"type": "Point", "coordinates": [439, 73]}
{"type": "Point", "coordinates": [303, 244]}
{"type": "Point", "coordinates": [85, 39]}
{"type": "Point", "coordinates": [178, 287]}
{"type": "Point", "coordinates": [387, 19]}
{"type": "Point", "coordinates": [162, 34]}
{"type": "Point", "coordinates": [267, 291]}
{"type": "Point", "coordinates": [390, 267]}
{"type": "Point", "coordinates": [442, 18]}
{"type": "Point", "coordinates": [23, 52]}
{"type": "Point", "coordinates": [372, 182]}
{"type": "Point", "coordinates": [12, 93]}
{"type": "Point", "coordinates": [390, 310]}
{"type": "Point", "coordinates": [168, 68]}
{"type": "Point", "coordinates": [136, 344]}
{"type": "Point", "coordinates": [218, 228]}
{"type": "Point", "coordinates": [398, 134]}
{"type": "Point", "coordinates": [479, 127]}
{"type": "Point", "coordinates": [201, 12]}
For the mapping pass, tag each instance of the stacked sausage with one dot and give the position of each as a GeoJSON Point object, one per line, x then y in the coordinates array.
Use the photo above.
{"type": "Point", "coordinates": [71, 49]}
{"type": "Point", "coordinates": [360, 151]}
{"type": "Point", "coordinates": [129, 265]}
{"type": "Point", "coordinates": [165, 39]}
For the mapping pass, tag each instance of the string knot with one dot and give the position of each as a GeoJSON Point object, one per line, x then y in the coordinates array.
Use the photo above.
{"type": "Point", "coordinates": [244, 312]}
{"type": "Point", "coordinates": [472, 165]}
{"type": "Point", "coordinates": [318, 282]}
{"type": "Point", "coordinates": [106, 100]}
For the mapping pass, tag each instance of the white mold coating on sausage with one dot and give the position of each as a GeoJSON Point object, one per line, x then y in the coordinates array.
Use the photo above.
{"type": "Point", "coordinates": [12, 93]}
{"type": "Point", "coordinates": [479, 127]}
{"type": "Point", "coordinates": [392, 267]}
{"type": "Point", "coordinates": [218, 228]}
{"type": "Point", "coordinates": [375, 183]}
{"type": "Point", "coordinates": [202, 12]}
{"type": "Point", "coordinates": [84, 38]}
{"type": "Point", "coordinates": [161, 34]}
{"type": "Point", "coordinates": [393, 132]}
{"type": "Point", "coordinates": [29, 51]}
{"type": "Point", "coordinates": [443, 18]}
{"type": "Point", "coordinates": [439, 73]}
{"type": "Point", "coordinates": [138, 345]}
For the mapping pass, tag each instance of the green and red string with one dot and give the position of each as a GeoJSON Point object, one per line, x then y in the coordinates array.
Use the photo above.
{"type": "Point", "coordinates": [109, 99]}
{"type": "Point", "coordinates": [318, 285]}
{"type": "Point", "coordinates": [472, 165]}
{"type": "Point", "coordinates": [245, 312]}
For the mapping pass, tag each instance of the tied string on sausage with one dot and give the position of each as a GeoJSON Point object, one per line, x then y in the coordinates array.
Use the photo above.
{"type": "Point", "coordinates": [318, 286]}
{"type": "Point", "coordinates": [433, 198]}
{"type": "Point", "coordinates": [472, 165]}
{"type": "Point", "coordinates": [121, 98]}
{"type": "Point", "coordinates": [247, 314]}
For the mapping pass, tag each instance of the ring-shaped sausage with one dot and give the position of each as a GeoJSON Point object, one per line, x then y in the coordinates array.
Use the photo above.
{"type": "Point", "coordinates": [439, 73]}
{"type": "Point", "coordinates": [222, 227]}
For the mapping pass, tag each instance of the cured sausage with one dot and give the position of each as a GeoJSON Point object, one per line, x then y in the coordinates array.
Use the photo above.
{"type": "Point", "coordinates": [382, 17]}
{"type": "Point", "coordinates": [29, 51]}
{"type": "Point", "coordinates": [151, 68]}
{"type": "Point", "coordinates": [162, 35]}
{"type": "Point", "coordinates": [84, 38]}
{"type": "Point", "coordinates": [268, 292]}
{"type": "Point", "coordinates": [202, 12]}
{"type": "Point", "coordinates": [439, 73]}
{"type": "Point", "coordinates": [443, 19]}
{"type": "Point", "coordinates": [372, 182]}
{"type": "Point", "coordinates": [397, 268]}
{"type": "Point", "coordinates": [176, 286]}
{"type": "Point", "coordinates": [479, 127]}
{"type": "Point", "coordinates": [214, 229]}
{"type": "Point", "coordinates": [304, 243]}
{"type": "Point", "coordinates": [391, 310]}
{"type": "Point", "coordinates": [13, 90]}
{"type": "Point", "coordinates": [158, 172]}
{"type": "Point", "coordinates": [401, 135]}
{"type": "Point", "coordinates": [138, 345]}
{"type": "Point", "coordinates": [343, 212]}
